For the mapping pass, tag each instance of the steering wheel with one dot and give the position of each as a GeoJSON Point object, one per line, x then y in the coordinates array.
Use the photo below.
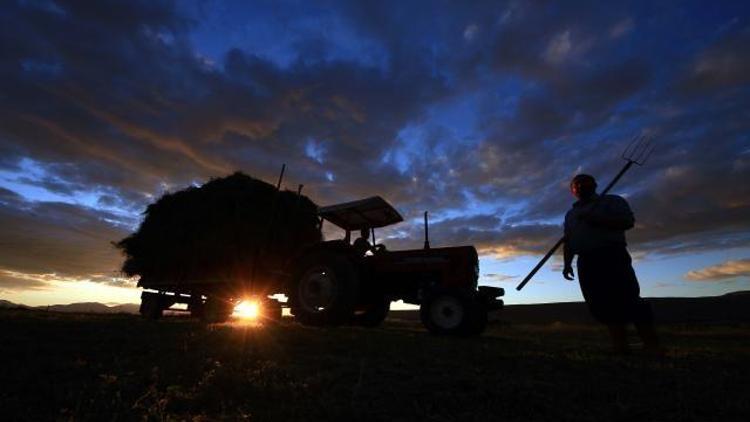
{"type": "Point", "coordinates": [379, 248]}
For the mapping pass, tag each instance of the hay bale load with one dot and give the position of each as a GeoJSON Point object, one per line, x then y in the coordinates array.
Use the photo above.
{"type": "Point", "coordinates": [224, 232]}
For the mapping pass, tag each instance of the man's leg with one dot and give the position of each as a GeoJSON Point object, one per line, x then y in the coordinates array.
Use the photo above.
{"type": "Point", "coordinates": [619, 335]}
{"type": "Point", "coordinates": [643, 316]}
{"type": "Point", "coordinates": [647, 332]}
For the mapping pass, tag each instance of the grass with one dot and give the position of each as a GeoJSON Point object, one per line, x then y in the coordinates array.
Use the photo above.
{"type": "Point", "coordinates": [118, 367]}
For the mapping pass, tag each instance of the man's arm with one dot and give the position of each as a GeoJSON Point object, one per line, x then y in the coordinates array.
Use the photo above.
{"type": "Point", "coordinates": [567, 253]}
{"type": "Point", "coordinates": [361, 246]}
{"type": "Point", "coordinates": [568, 258]}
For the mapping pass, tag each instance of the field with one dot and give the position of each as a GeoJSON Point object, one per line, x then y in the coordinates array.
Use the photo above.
{"type": "Point", "coordinates": [118, 367]}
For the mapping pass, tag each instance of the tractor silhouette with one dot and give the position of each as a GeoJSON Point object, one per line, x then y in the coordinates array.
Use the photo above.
{"type": "Point", "coordinates": [333, 283]}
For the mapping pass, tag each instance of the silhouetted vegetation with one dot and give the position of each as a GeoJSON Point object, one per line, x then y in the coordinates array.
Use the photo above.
{"type": "Point", "coordinates": [218, 231]}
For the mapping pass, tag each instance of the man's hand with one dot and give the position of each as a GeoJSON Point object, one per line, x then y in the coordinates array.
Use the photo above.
{"type": "Point", "coordinates": [568, 273]}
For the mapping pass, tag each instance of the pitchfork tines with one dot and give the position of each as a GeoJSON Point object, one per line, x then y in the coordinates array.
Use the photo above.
{"type": "Point", "coordinates": [639, 150]}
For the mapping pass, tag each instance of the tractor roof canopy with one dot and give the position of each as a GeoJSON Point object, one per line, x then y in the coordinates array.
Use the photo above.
{"type": "Point", "coordinates": [365, 213]}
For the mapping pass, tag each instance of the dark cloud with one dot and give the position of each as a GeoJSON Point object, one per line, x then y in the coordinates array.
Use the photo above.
{"type": "Point", "coordinates": [485, 232]}
{"type": "Point", "coordinates": [18, 281]}
{"type": "Point", "coordinates": [9, 197]}
{"type": "Point", "coordinates": [724, 64]}
{"type": "Point", "coordinates": [57, 238]}
{"type": "Point", "coordinates": [134, 98]}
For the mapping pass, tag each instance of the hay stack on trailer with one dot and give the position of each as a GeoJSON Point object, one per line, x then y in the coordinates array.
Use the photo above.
{"type": "Point", "coordinates": [218, 236]}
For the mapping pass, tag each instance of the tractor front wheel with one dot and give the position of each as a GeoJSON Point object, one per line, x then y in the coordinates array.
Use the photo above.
{"type": "Point", "coordinates": [453, 312]}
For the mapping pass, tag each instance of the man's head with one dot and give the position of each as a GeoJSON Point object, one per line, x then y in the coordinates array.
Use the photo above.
{"type": "Point", "coordinates": [582, 186]}
{"type": "Point", "coordinates": [364, 233]}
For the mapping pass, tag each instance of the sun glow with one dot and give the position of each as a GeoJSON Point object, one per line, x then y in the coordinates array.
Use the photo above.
{"type": "Point", "coordinates": [247, 309]}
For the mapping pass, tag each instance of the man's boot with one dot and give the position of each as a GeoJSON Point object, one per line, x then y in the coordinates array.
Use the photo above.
{"type": "Point", "coordinates": [619, 335]}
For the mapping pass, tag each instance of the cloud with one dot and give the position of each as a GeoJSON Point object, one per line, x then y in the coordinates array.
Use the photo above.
{"type": "Point", "coordinates": [558, 48]}
{"type": "Point", "coordinates": [621, 28]}
{"type": "Point", "coordinates": [484, 231]}
{"type": "Point", "coordinates": [57, 238]}
{"type": "Point", "coordinates": [723, 64]}
{"type": "Point", "coordinates": [11, 280]}
{"type": "Point", "coordinates": [471, 32]}
{"type": "Point", "coordinates": [14, 280]}
{"type": "Point", "coordinates": [499, 278]}
{"type": "Point", "coordinates": [8, 197]}
{"type": "Point", "coordinates": [156, 114]}
{"type": "Point", "coordinates": [724, 271]}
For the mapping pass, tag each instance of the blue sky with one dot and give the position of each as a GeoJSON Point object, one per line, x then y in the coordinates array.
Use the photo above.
{"type": "Point", "coordinates": [479, 113]}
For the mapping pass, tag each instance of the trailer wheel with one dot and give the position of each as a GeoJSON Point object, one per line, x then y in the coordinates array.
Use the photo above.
{"type": "Point", "coordinates": [216, 310]}
{"type": "Point", "coordinates": [324, 290]}
{"type": "Point", "coordinates": [452, 312]}
{"type": "Point", "coordinates": [196, 307]}
{"type": "Point", "coordinates": [272, 311]}
{"type": "Point", "coordinates": [150, 306]}
{"type": "Point", "coordinates": [372, 314]}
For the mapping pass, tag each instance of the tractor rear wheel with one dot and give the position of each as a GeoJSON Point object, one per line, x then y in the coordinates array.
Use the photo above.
{"type": "Point", "coordinates": [324, 290]}
{"type": "Point", "coordinates": [453, 312]}
{"type": "Point", "coordinates": [373, 313]}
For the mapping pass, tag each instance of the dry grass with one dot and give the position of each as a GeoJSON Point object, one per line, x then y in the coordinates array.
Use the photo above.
{"type": "Point", "coordinates": [90, 367]}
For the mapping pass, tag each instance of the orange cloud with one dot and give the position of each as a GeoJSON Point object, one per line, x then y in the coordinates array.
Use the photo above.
{"type": "Point", "coordinates": [723, 271]}
{"type": "Point", "coordinates": [10, 280]}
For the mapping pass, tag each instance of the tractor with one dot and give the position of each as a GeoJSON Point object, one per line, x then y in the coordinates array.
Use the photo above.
{"type": "Point", "coordinates": [334, 284]}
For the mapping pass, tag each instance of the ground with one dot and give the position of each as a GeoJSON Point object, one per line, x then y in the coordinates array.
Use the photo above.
{"type": "Point", "coordinates": [119, 367]}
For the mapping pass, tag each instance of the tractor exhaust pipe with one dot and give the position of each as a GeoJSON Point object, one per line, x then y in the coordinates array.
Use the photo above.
{"type": "Point", "coordinates": [426, 232]}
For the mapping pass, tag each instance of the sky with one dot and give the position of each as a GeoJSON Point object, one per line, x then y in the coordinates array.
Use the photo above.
{"type": "Point", "coordinates": [479, 112]}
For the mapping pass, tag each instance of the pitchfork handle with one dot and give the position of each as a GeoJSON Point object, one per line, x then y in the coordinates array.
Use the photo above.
{"type": "Point", "coordinates": [562, 239]}
{"type": "Point", "coordinates": [617, 178]}
{"type": "Point", "coordinates": [541, 262]}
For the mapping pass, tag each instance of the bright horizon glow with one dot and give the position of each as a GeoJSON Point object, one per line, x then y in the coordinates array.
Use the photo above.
{"type": "Point", "coordinates": [61, 292]}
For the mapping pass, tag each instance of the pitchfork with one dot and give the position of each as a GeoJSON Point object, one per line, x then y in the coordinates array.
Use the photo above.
{"type": "Point", "coordinates": [637, 152]}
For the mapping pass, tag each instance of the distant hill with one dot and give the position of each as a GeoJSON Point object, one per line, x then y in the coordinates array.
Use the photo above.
{"type": "Point", "coordinates": [731, 307]}
{"type": "Point", "coordinates": [84, 307]}
{"type": "Point", "coordinates": [8, 304]}
{"type": "Point", "coordinates": [93, 308]}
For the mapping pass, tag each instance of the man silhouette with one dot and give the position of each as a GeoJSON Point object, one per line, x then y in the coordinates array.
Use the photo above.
{"type": "Point", "coordinates": [595, 231]}
{"type": "Point", "coordinates": [361, 245]}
